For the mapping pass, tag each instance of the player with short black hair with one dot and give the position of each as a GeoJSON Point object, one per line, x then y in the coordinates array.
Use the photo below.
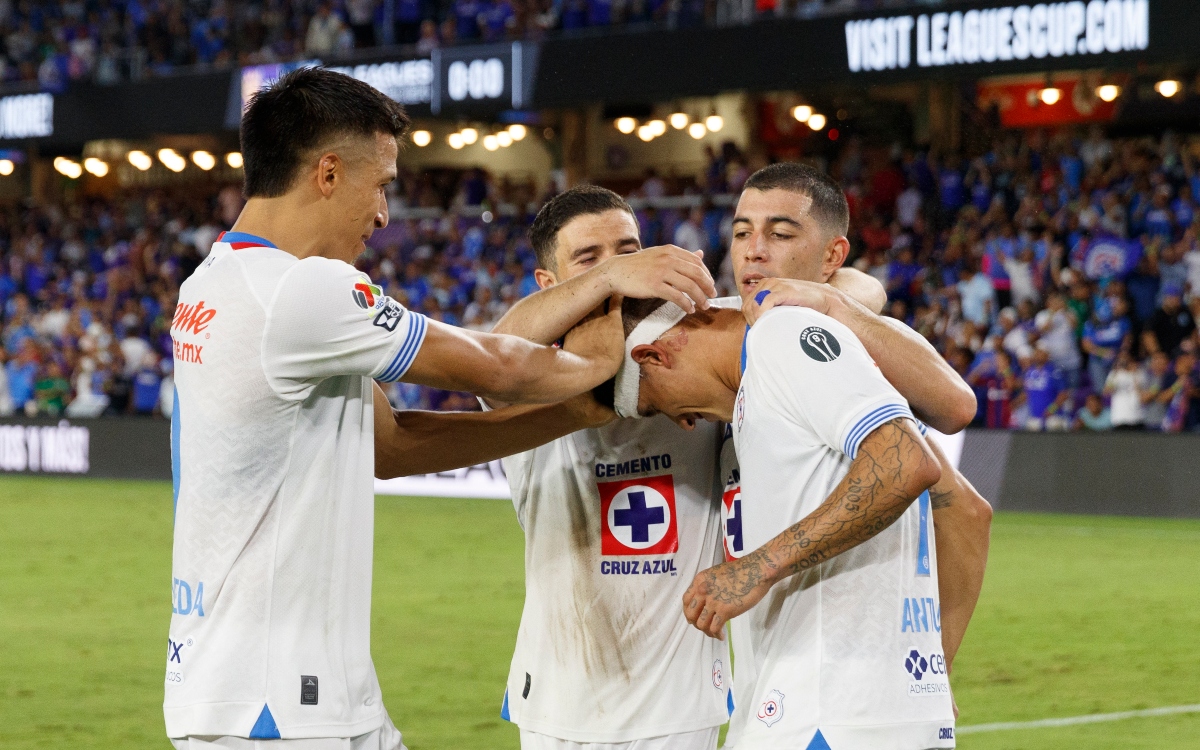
{"type": "Point", "coordinates": [277, 429]}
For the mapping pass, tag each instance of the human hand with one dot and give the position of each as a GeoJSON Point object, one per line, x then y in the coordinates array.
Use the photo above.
{"type": "Point", "coordinates": [667, 272]}
{"type": "Point", "coordinates": [721, 593]}
{"type": "Point", "coordinates": [600, 337]}
{"type": "Point", "coordinates": [772, 293]}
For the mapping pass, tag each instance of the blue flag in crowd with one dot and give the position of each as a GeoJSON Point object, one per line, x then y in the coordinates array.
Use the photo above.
{"type": "Point", "coordinates": [1107, 257]}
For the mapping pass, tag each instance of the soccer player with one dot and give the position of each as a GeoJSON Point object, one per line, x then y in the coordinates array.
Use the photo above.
{"type": "Point", "coordinates": [840, 591]}
{"type": "Point", "coordinates": [623, 667]}
{"type": "Point", "coordinates": [276, 340]}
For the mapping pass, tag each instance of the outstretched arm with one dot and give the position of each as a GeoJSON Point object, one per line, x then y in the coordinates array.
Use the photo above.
{"type": "Point", "coordinates": [892, 468]}
{"type": "Point", "coordinates": [424, 442]}
{"type": "Point", "coordinates": [962, 522]}
{"type": "Point", "coordinates": [910, 363]}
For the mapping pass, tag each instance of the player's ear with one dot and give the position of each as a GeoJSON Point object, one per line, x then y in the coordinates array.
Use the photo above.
{"type": "Point", "coordinates": [651, 354]}
{"type": "Point", "coordinates": [544, 278]}
{"type": "Point", "coordinates": [836, 252]}
{"type": "Point", "coordinates": [328, 172]}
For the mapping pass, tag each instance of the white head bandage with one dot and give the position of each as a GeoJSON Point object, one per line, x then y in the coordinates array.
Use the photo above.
{"type": "Point", "coordinates": [663, 319]}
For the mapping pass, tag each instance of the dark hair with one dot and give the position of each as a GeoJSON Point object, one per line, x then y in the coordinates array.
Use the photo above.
{"type": "Point", "coordinates": [829, 205]}
{"type": "Point", "coordinates": [304, 110]}
{"type": "Point", "coordinates": [581, 200]}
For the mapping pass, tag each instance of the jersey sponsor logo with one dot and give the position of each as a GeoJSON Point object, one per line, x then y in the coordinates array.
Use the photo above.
{"type": "Point", "coordinates": [921, 615]}
{"type": "Point", "coordinates": [185, 351]}
{"type": "Point", "coordinates": [366, 294]}
{"type": "Point", "coordinates": [928, 673]}
{"type": "Point", "coordinates": [641, 465]}
{"type": "Point", "coordinates": [638, 567]}
{"type": "Point", "coordinates": [186, 599]}
{"type": "Point", "coordinates": [176, 655]}
{"type": "Point", "coordinates": [638, 516]}
{"type": "Point", "coordinates": [718, 674]}
{"type": "Point", "coordinates": [193, 319]}
{"type": "Point", "coordinates": [731, 522]}
{"type": "Point", "coordinates": [389, 317]}
{"type": "Point", "coordinates": [771, 709]}
{"type": "Point", "coordinates": [820, 344]}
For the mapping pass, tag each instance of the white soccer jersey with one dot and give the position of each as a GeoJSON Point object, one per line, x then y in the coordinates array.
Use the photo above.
{"type": "Point", "coordinates": [618, 521]}
{"type": "Point", "coordinates": [273, 443]}
{"type": "Point", "coordinates": [847, 655]}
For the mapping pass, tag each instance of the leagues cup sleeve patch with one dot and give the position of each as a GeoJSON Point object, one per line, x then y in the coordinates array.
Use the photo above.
{"type": "Point", "coordinates": [389, 317]}
{"type": "Point", "coordinates": [366, 294]}
{"type": "Point", "coordinates": [820, 344]}
{"type": "Point", "coordinates": [638, 516]}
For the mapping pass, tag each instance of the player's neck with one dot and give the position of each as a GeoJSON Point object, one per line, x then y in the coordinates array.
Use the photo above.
{"type": "Point", "coordinates": [722, 347]}
{"type": "Point", "coordinates": [287, 223]}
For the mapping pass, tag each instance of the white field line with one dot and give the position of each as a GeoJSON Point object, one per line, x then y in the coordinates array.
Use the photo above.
{"type": "Point", "coordinates": [1073, 720]}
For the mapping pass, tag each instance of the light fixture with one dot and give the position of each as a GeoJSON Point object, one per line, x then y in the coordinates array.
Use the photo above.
{"type": "Point", "coordinates": [679, 120]}
{"type": "Point", "coordinates": [67, 167]}
{"type": "Point", "coordinates": [817, 121]}
{"type": "Point", "coordinates": [1050, 96]}
{"type": "Point", "coordinates": [1168, 88]}
{"type": "Point", "coordinates": [697, 130]}
{"type": "Point", "coordinates": [1108, 92]}
{"type": "Point", "coordinates": [233, 159]}
{"type": "Point", "coordinates": [469, 135]}
{"type": "Point", "coordinates": [658, 127]}
{"type": "Point", "coordinates": [504, 139]}
{"type": "Point", "coordinates": [142, 161]}
{"type": "Point", "coordinates": [626, 125]}
{"type": "Point", "coordinates": [6, 167]}
{"type": "Point", "coordinates": [171, 159]}
{"type": "Point", "coordinates": [802, 113]}
{"type": "Point", "coordinates": [455, 140]}
{"type": "Point", "coordinates": [95, 166]}
{"type": "Point", "coordinates": [518, 131]}
{"type": "Point", "coordinates": [646, 133]}
{"type": "Point", "coordinates": [204, 160]}
{"type": "Point", "coordinates": [714, 122]}
{"type": "Point", "coordinates": [422, 138]}
{"type": "Point", "coordinates": [491, 143]}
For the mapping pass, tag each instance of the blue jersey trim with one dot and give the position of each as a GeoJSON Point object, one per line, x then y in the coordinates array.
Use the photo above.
{"type": "Point", "coordinates": [243, 237]}
{"type": "Point", "coordinates": [408, 350]}
{"type": "Point", "coordinates": [923, 539]}
{"type": "Point", "coordinates": [729, 701]}
{"type": "Point", "coordinates": [175, 428]}
{"type": "Point", "coordinates": [868, 423]}
{"type": "Point", "coordinates": [745, 336]}
{"type": "Point", "coordinates": [504, 709]}
{"type": "Point", "coordinates": [264, 728]}
{"type": "Point", "coordinates": [818, 742]}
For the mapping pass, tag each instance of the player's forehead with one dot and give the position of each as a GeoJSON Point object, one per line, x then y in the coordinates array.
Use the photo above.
{"type": "Point", "coordinates": [610, 228]}
{"type": "Point", "coordinates": [763, 206]}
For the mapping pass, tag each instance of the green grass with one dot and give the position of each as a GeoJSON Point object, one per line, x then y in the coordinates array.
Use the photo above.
{"type": "Point", "coordinates": [1079, 615]}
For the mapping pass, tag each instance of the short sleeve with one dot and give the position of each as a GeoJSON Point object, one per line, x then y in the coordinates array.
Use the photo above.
{"type": "Point", "coordinates": [327, 319]}
{"type": "Point", "coordinates": [818, 369]}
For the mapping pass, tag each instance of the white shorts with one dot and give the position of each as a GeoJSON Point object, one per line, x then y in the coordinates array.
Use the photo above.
{"type": "Point", "coordinates": [386, 737]}
{"type": "Point", "coordinates": [703, 739]}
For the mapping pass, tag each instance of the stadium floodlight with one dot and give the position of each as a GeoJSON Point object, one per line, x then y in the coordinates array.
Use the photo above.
{"type": "Point", "coordinates": [518, 131]}
{"type": "Point", "coordinates": [171, 159]}
{"type": "Point", "coordinates": [204, 160]}
{"type": "Point", "coordinates": [679, 120]}
{"type": "Point", "coordinates": [626, 125]}
{"type": "Point", "coordinates": [68, 167]}
{"type": "Point", "coordinates": [491, 143]}
{"type": "Point", "coordinates": [233, 159]}
{"type": "Point", "coordinates": [1050, 96]}
{"type": "Point", "coordinates": [714, 122]}
{"type": "Point", "coordinates": [422, 138]}
{"type": "Point", "coordinates": [802, 112]}
{"type": "Point", "coordinates": [6, 167]}
{"type": "Point", "coordinates": [455, 140]}
{"type": "Point", "coordinates": [1168, 88]}
{"type": "Point", "coordinates": [646, 133]}
{"type": "Point", "coordinates": [817, 121]}
{"type": "Point", "coordinates": [95, 167]}
{"type": "Point", "coordinates": [697, 130]}
{"type": "Point", "coordinates": [142, 161]}
{"type": "Point", "coordinates": [1108, 92]}
{"type": "Point", "coordinates": [469, 135]}
{"type": "Point", "coordinates": [504, 139]}
{"type": "Point", "coordinates": [658, 127]}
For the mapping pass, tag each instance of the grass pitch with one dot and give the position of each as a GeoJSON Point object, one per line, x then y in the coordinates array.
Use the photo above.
{"type": "Point", "coordinates": [1079, 615]}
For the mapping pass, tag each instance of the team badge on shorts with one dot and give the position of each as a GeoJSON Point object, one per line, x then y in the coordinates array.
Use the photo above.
{"type": "Point", "coordinates": [771, 709]}
{"type": "Point", "coordinates": [638, 516]}
{"type": "Point", "coordinates": [731, 522]}
{"type": "Point", "coordinates": [718, 674]}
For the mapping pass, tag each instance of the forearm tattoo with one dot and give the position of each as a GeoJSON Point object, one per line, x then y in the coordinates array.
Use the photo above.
{"type": "Point", "coordinates": [940, 499]}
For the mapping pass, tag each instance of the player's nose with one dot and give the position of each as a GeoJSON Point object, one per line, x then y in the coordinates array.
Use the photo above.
{"type": "Point", "coordinates": [381, 214]}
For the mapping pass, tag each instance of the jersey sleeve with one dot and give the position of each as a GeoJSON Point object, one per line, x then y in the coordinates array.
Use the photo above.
{"type": "Point", "coordinates": [817, 369]}
{"type": "Point", "coordinates": [327, 319]}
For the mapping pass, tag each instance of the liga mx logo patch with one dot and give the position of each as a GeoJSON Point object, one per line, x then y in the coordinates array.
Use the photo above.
{"type": "Point", "coordinates": [366, 294]}
{"type": "Point", "coordinates": [731, 522]}
{"type": "Point", "coordinates": [820, 344]}
{"type": "Point", "coordinates": [638, 516]}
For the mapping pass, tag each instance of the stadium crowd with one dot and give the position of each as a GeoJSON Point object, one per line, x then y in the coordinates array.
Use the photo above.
{"type": "Point", "coordinates": [1059, 275]}
{"type": "Point", "coordinates": [53, 43]}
